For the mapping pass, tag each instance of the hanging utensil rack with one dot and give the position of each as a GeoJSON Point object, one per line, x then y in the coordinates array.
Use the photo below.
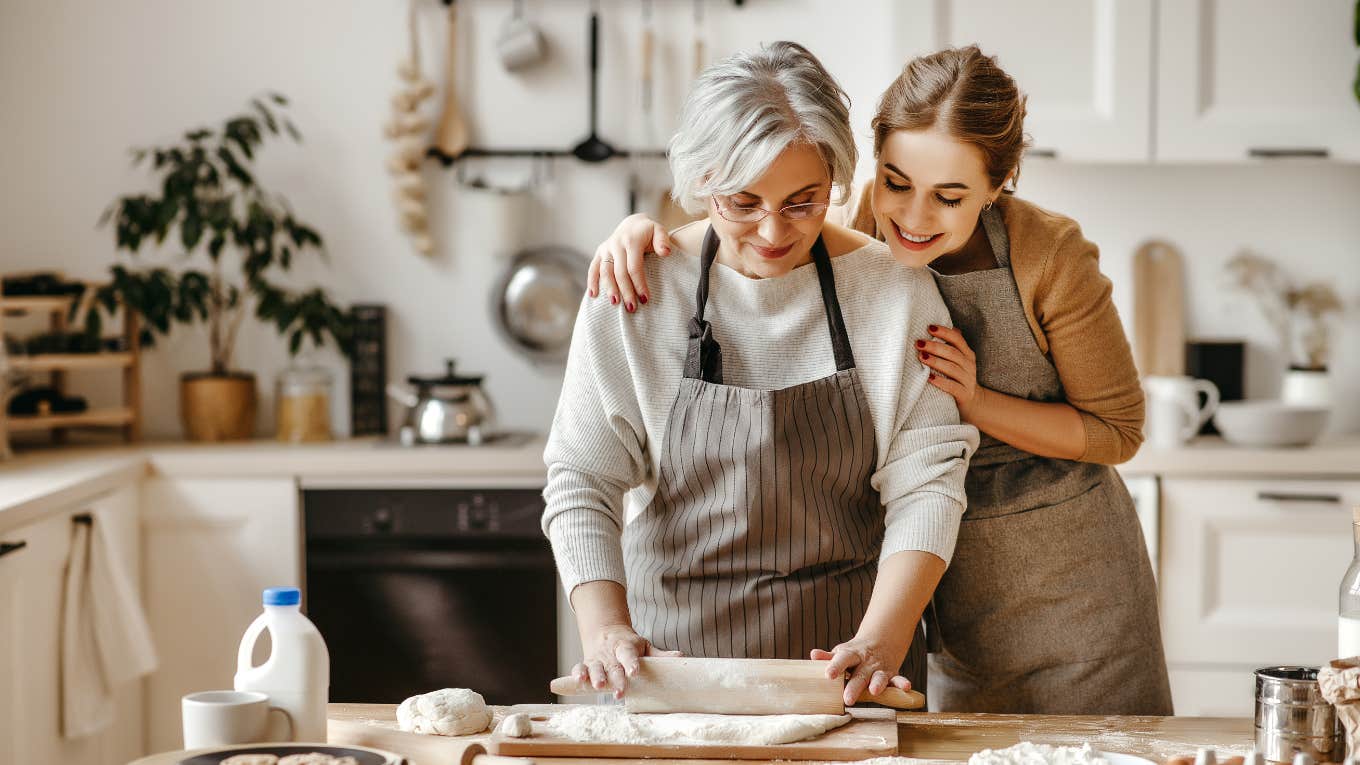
{"type": "Point", "coordinates": [531, 153]}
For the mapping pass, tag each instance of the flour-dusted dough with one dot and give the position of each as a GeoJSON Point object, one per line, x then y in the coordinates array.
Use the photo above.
{"type": "Point", "coordinates": [251, 759]}
{"type": "Point", "coordinates": [445, 712]}
{"type": "Point", "coordinates": [309, 758]}
{"type": "Point", "coordinates": [613, 724]}
{"type": "Point", "coordinates": [1029, 753]}
{"type": "Point", "coordinates": [517, 725]}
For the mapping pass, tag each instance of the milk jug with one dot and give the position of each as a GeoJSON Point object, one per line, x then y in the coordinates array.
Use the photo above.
{"type": "Point", "coordinates": [297, 674]}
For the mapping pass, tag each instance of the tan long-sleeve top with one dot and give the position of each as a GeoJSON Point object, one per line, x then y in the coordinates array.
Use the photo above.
{"type": "Point", "coordinates": [1067, 302]}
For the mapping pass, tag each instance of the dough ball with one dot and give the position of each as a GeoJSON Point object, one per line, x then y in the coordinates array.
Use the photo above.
{"type": "Point", "coordinates": [250, 759]}
{"type": "Point", "coordinates": [445, 712]}
{"type": "Point", "coordinates": [310, 758]}
{"type": "Point", "coordinates": [517, 726]}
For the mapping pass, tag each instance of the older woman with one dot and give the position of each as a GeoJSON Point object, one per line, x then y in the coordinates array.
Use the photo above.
{"type": "Point", "coordinates": [794, 480]}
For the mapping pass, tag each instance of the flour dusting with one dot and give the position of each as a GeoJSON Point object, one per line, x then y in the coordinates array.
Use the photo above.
{"type": "Point", "coordinates": [1029, 753]}
{"type": "Point", "coordinates": [614, 724]}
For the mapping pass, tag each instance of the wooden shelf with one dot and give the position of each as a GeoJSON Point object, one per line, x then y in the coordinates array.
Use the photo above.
{"type": "Point", "coordinates": [47, 362]}
{"type": "Point", "coordinates": [36, 304]}
{"type": "Point", "coordinates": [94, 417]}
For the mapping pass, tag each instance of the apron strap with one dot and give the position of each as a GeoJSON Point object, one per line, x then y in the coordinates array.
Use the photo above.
{"type": "Point", "coordinates": [703, 358]}
{"type": "Point", "coordinates": [840, 339]}
{"type": "Point", "coordinates": [994, 224]}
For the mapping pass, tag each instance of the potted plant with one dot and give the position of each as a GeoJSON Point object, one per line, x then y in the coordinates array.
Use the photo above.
{"type": "Point", "coordinates": [229, 239]}
{"type": "Point", "coordinates": [1301, 316]}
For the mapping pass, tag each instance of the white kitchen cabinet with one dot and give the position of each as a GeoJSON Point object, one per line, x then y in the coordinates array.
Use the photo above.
{"type": "Point", "coordinates": [1243, 78]}
{"type": "Point", "coordinates": [32, 582]}
{"type": "Point", "coordinates": [1249, 576]}
{"type": "Point", "coordinates": [1086, 66]}
{"type": "Point", "coordinates": [211, 546]}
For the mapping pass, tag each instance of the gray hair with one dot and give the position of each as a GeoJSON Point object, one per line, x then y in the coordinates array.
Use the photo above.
{"type": "Point", "coordinates": [745, 110]}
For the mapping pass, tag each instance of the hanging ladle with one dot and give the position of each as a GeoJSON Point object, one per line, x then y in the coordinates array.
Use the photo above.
{"type": "Point", "coordinates": [593, 149]}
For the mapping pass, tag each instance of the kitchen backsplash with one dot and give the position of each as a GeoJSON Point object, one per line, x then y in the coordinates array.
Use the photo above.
{"type": "Point", "coordinates": [127, 73]}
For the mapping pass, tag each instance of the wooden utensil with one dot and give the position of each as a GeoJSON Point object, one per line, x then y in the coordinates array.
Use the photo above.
{"type": "Point", "coordinates": [451, 137]}
{"type": "Point", "coordinates": [1158, 309]}
{"type": "Point", "coordinates": [872, 733]}
{"type": "Point", "coordinates": [736, 686]}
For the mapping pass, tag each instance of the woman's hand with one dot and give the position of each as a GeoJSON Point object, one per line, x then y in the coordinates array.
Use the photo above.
{"type": "Point", "coordinates": [611, 657]}
{"type": "Point", "coordinates": [953, 366]}
{"type": "Point", "coordinates": [865, 665]}
{"type": "Point", "coordinates": [617, 269]}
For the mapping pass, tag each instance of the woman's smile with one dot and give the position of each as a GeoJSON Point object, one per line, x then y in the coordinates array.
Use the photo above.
{"type": "Point", "coordinates": [772, 253]}
{"type": "Point", "coordinates": [912, 240]}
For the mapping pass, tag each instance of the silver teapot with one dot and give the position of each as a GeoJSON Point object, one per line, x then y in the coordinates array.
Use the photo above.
{"type": "Point", "coordinates": [451, 408]}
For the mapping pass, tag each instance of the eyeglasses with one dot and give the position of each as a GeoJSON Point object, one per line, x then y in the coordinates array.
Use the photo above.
{"type": "Point", "coordinates": [752, 214]}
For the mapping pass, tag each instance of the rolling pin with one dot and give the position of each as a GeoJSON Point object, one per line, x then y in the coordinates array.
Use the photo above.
{"type": "Point", "coordinates": [736, 686]}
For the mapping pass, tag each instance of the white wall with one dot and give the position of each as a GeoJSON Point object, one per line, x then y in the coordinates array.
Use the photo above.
{"type": "Point", "coordinates": [81, 82]}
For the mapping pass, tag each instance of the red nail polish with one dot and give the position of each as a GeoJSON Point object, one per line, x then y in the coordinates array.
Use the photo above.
{"type": "Point", "coordinates": [592, 293]}
{"type": "Point", "coordinates": [642, 299]}
{"type": "Point", "coordinates": [629, 306]}
{"type": "Point", "coordinates": [925, 356]}
{"type": "Point", "coordinates": [931, 376]}
{"type": "Point", "coordinates": [614, 299]}
{"type": "Point", "coordinates": [933, 328]}
{"type": "Point", "coordinates": [920, 343]}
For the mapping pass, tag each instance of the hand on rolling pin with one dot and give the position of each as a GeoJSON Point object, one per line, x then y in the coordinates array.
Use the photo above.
{"type": "Point", "coordinates": [866, 665]}
{"type": "Point", "coordinates": [611, 657]}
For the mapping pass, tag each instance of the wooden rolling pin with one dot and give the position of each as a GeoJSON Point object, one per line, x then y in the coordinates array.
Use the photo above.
{"type": "Point", "coordinates": [736, 686]}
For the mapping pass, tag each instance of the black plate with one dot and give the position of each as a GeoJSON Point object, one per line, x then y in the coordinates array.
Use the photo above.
{"type": "Point", "coordinates": [283, 750]}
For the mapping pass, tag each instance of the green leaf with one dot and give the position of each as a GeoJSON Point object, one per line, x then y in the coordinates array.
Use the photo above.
{"type": "Point", "coordinates": [295, 342]}
{"type": "Point", "coordinates": [191, 230]}
{"type": "Point", "coordinates": [278, 98]}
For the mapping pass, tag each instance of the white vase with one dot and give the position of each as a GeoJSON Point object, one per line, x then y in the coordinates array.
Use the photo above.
{"type": "Point", "coordinates": [1308, 387]}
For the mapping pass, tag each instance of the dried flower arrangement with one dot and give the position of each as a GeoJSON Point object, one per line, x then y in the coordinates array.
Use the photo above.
{"type": "Point", "coordinates": [1299, 314]}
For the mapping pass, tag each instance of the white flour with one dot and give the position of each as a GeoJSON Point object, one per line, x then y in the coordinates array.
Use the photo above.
{"type": "Point", "coordinates": [1027, 753]}
{"type": "Point", "coordinates": [613, 724]}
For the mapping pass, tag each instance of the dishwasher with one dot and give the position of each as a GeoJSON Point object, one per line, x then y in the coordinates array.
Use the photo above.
{"type": "Point", "coordinates": [416, 589]}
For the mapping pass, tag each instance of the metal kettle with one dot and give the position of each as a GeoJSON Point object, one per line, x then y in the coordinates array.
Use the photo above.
{"type": "Point", "coordinates": [451, 408]}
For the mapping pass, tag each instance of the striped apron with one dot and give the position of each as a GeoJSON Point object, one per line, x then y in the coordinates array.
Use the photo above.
{"type": "Point", "coordinates": [1049, 605]}
{"type": "Point", "coordinates": [763, 538]}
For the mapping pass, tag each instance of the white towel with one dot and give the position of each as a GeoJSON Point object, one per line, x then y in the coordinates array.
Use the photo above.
{"type": "Point", "coordinates": [105, 639]}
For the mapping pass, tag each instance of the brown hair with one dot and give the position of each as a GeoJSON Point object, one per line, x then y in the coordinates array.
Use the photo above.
{"type": "Point", "coordinates": [967, 95]}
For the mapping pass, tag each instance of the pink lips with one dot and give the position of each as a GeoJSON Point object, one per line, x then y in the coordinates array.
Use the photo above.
{"type": "Point", "coordinates": [914, 246]}
{"type": "Point", "coordinates": [772, 253]}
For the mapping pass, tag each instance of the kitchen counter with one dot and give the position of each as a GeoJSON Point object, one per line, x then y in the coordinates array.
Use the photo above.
{"type": "Point", "coordinates": [48, 479]}
{"type": "Point", "coordinates": [1211, 456]}
{"type": "Point", "coordinates": [925, 738]}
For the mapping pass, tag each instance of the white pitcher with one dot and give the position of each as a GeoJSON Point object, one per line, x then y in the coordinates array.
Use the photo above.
{"type": "Point", "coordinates": [1174, 412]}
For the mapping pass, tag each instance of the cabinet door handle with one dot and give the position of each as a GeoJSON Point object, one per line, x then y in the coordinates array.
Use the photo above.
{"type": "Point", "coordinates": [8, 547]}
{"type": "Point", "coordinates": [1042, 153]}
{"type": "Point", "coordinates": [1272, 496]}
{"type": "Point", "coordinates": [1265, 152]}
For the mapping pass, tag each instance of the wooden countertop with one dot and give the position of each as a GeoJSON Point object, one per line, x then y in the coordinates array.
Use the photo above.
{"type": "Point", "coordinates": [923, 738]}
{"type": "Point", "coordinates": [939, 737]}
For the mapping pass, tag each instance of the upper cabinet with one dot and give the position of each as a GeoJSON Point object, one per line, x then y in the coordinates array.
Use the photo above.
{"type": "Point", "coordinates": [1165, 80]}
{"type": "Point", "coordinates": [1085, 65]}
{"type": "Point", "coordinates": [1256, 78]}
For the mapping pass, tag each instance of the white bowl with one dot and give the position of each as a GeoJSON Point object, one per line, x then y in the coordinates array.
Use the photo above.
{"type": "Point", "coordinates": [1270, 422]}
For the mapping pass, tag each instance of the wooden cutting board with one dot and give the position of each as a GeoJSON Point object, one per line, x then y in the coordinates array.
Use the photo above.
{"type": "Point", "coordinates": [1158, 309]}
{"type": "Point", "coordinates": [873, 733]}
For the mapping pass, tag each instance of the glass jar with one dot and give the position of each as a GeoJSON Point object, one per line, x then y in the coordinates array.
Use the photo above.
{"type": "Point", "coordinates": [302, 408]}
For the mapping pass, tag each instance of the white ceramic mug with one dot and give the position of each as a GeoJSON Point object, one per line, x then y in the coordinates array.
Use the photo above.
{"type": "Point", "coordinates": [223, 718]}
{"type": "Point", "coordinates": [520, 43]}
{"type": "Point", "coordinates": [1174, 412]}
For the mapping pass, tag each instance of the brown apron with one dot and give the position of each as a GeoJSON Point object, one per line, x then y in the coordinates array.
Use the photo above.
{"type": "Point", "coordinates": [1049, 605]}
{"type": "Point", "coordinates": [763, 538]}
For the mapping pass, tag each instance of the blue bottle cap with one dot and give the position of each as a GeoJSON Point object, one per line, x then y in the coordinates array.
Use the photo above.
{"type": "Point", "coordinates": [282, 596]}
